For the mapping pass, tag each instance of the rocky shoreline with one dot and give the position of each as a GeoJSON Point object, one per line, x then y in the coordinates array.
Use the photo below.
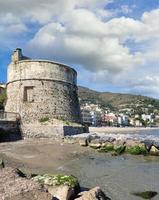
{"type": "Point", "coordinates": [18, 185]}
{"type": "Point", "coordinates": [15, 185]}
{"type": "Point", "coordinates": [105, 144]}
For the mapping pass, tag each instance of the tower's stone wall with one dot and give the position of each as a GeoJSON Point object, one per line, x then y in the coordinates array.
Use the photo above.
{"type": "Point", "coordinates": [39, 89]}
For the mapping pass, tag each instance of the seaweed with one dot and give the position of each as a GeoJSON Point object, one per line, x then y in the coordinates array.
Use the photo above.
{"type": "Point", "coordinates": [137, 150]}
{"type": "Point", "coordinates": [146, 194]}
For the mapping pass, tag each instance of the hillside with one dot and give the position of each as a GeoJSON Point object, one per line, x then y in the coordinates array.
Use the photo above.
{"type": "Point", "coordinates": [117, 101]}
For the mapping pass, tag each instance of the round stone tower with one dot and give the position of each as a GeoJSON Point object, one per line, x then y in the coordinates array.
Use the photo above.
{"type": "Point", "coordinates": [41, 89]}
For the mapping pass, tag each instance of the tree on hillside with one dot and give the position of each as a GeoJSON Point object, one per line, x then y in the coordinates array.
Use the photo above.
{"type": "Point", "coordinates": [3, 98]}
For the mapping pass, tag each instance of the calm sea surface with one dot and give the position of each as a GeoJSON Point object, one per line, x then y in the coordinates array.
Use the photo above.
{"type": "Point", "coordinates": [118, 176]}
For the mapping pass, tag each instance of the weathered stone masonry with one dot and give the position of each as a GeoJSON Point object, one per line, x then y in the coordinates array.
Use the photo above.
{"type": "Point", "coordinates": [38, 89]}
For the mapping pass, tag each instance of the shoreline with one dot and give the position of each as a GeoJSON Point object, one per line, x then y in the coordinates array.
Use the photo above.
{"type": "Point", "coordinates": [120, 129]}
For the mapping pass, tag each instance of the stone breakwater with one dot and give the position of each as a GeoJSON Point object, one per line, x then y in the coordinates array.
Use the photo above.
{"type": "Point", "coordinates": [118, 145]}
{"type": "Point", "coordinates": [16, 185]}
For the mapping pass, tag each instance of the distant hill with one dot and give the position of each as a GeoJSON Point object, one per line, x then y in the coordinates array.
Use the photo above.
{"type": "Point", "coordinates": [117, 101]}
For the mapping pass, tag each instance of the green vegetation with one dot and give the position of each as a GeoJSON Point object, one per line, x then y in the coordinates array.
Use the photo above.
{"type": "Point", "coordinates": [44, 119]}
{"type": "Point", "coordinates": [109, 148]}
{"type": "Point", "coordinates": [54, 180]}
{"type": "Point", "coordinates": [106, 149]}
{"type": "Point", "coordinates": [146, 194]}
{"type": "Point", "coordinates": [3, 98]}
{"type": "Point", "coordinates": [114, 101]}
{"type": "Point", "coordinates": [119, 150]}
{"type": "Point", "coordinates": [137, 150]}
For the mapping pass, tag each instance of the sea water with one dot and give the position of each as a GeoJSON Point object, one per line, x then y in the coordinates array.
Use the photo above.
{"type": "Point", "coordinates": [118, 176]}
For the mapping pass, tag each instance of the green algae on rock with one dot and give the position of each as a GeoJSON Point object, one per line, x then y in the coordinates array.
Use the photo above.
{"type": "Point", "coordinates": [106, 148]}
{"type": "Point", "coordinates": [53, 180]}
{"type": "Point", "coordinates": [137, 150]}
{"type": "Point", "coordinates": [119, 150]}
{"type": "Point", "coordinates": [146, 194]}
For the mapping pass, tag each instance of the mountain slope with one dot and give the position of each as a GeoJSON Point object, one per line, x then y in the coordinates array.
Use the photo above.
{"type": "Point", "coordinates": [117, 101]}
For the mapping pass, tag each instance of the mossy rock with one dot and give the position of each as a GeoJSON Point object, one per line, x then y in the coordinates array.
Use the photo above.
{"type": "Point", "coordinates": [120, 149]}
{"type": "Point", "coordinates": [109, 147]}
{"type": "Point", "coordinates": [55, 180]}
{"type": "Point", "coordinates": [102, 150]}
{"type": "Point", "coordinates": [94, 146]}
{"type": "Point", "coordinates": [137, 150]}
{"type": "Point", "coordinates": [106, 149]}
{"type": "Point", "coordinates": [146, 194]}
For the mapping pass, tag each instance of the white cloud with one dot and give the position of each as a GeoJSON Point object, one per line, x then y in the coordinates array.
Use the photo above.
{"type": "Point", "coordinates": [85, 33]}
{"type": "Point", "coordinates": [126, 9]}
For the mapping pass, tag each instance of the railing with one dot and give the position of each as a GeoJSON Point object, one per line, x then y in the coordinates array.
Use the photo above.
{"type": "Point", "coordinates": [9, 116]}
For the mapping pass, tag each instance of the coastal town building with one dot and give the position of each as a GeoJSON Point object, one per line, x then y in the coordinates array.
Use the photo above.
{"type": "Point", "coordinates": [91, 114]}
{"type": "Point", "coordinates": [86, 117]}
{"type": "Point", "coordinates": [96, 118]}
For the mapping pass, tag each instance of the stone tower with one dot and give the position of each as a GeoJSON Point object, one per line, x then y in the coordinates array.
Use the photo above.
{"type": "Point", "coordinates": [41, 89]}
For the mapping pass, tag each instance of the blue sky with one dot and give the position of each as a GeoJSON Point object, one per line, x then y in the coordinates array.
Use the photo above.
{"type": "Point", "coordinates": [113, 44]}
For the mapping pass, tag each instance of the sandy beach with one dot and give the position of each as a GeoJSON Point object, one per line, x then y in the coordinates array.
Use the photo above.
{"type": "Point", "coordinates": [39, 155]}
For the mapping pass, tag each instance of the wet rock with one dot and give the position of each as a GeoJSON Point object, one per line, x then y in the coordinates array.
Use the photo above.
{"type": "Point", "coordinates": [95, 144]}
{"type": "Point", "coordinates": [154, 151]}
{"type": "Point", "coordinates": [25, 174]}
{"type": "Point", "coordinates": [62, 192]}
{"type": "Point", "coordinates": [62, 187]}
{"type": "Point", "coordinates": [83, 142]}
{"type": "Point", "coordinates": [137, 149]}
{"type": "Point", "coordinates": [131, 143]}
{"type": "Point", "coordinates": [119, 149]}
{"type": "Point", "coordinates": [156, 144]}
{"type": "Point", "coordinates": [93, 194]}
{"type": "Point", "coordinates": [92, 137]}
{"type": "Point", "coordinates": [119, 142]}
{"type": "Point", "coordinates": [148, 144]}
{"type": "Point", "coordinates": [111, 139]}
{"type": "Point", "coordinates": [108, 145]}
{"type": "Point", "coordinates": [146, 194]}
{"type": "Point", "coordinates": [119, 146]}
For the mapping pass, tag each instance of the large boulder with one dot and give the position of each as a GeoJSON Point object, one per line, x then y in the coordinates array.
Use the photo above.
{"type": "Point", "coordinates": [95, 143]}
{"type": "Point", "coordinates": [62, 187]}
{"type": "Point", "coordinates": [139, 149]}
{"type": "Point", "coordinates": [83, 142]}
{"type": "Point", "coordinates": [148, 144]}
{"type": "Point", "coordinates": [62, 192]}
{"type": "Point", "coordinates": [154, 151]}
{"type": "Point", "coordinates": [156, 144]}
{"type": "Point", "coordinates": [93, 194]}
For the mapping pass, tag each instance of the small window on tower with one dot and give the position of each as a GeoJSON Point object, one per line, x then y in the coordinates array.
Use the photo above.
{"type": "Point", "coordinates": [28, 94]}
